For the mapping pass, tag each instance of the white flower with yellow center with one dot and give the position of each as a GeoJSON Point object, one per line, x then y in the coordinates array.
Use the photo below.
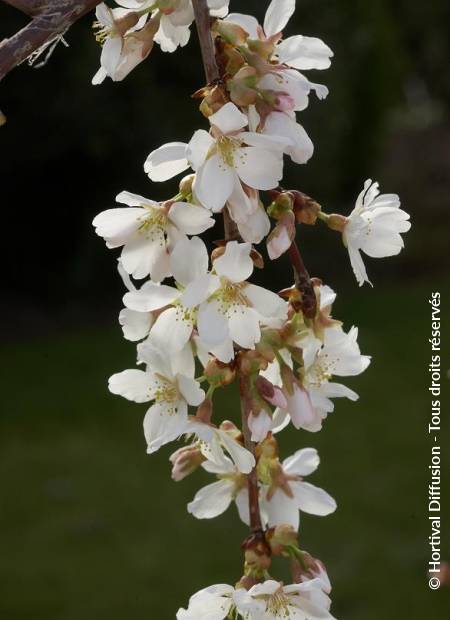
{"type": "Point", "coordinates": [170, 384]}
{"type": "Point", "coordinates": [213, 499]}
{"type": "Point", "coordinates": [212, 603]}
{"type": "Point", "coordinates": [126, 38]}
{"type": "Point", "coordinates": [236, 309]}
{"type": "Point", "coordinates": [222, 158]}
{"type": "Point", "coordinates": [271, 600]}
{"type": "Point", "coordinates": [309, 401]}
{"type": "Point", "coordinates": [148, 230]}
{"type": "Point", "coordinates": [374, 227]}
{"type": "Point", "coordinates": [175, 18]}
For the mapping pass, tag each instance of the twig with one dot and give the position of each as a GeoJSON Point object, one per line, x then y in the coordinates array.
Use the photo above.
{"type": "Point", "coordinates": [50, 19]}
{"type": "Point", "coordinates": [202, 21]}
{"type": "Point", "coordinates": [252, 478]}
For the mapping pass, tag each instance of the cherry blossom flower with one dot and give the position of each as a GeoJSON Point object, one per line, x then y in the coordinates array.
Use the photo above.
{"type": "Point", "coordinates": [309, 401]}
{"type": "Point", "coordinates": [148, 231]}
{"type": "Point", "coordinates": [135, 325]}
{"type": "Point", "coordinates": [170, 384]}
{"type": "Point", "coordinates": [236, 309]}
{"type": "Point", "coordinates": [374, 227]}
{"type": "Point", "coordinates": [126, 41]}
{"type": "Point", "coordinates": [272, 600]}
{"type": "Point", "coordinates": [212, 603]}
{"type": "Point", "coordinates": [215, 441]}
{"type": "Point", "coordinates": [222, 158]}
{"type": "Point", "coordinates": [288, 494]}
{"type": "Point", "coordinates": [175, 18]}
{"type": "Point", "coordinates": [176, 321]}
{"type": "Point", "coordinates": [213, 499]}
{"type": "Point", "coordinates": [299, 52]}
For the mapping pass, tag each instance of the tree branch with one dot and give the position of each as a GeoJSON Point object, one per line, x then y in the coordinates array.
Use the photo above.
{"type": "Point", "coordinates": [202, 21]}
{"type": "Point", "coordinates": [252, 478]}
{"type": "Point", "coordinates": [51, 18]}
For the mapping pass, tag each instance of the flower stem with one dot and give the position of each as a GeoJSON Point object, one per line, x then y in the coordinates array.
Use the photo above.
{"type": "Point", "coordinates": [202, 21]}
{"type": "Point", "coordinates": [212, 74]}
{"type": "Point", "coordinates": [252, 478]}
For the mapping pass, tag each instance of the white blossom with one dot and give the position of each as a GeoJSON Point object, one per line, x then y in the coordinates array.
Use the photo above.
{"type": "Point", "coordinates": [212, 603]}
{"type": "Point", "coordinates": [170, 383]}
{"type": "Point", "coordinates": [148, 230]}
{"type": "Point", "coordinates": [374, 227]}
{"type": "Point", "coordinates": [126, 41]}
{"type": "Point", "coordinates": [236, 309]}
{"type": "Point", "coordinates": [288, 495]}
{"type": "Point", "coordinates": [213, 499]}
{"type": "Point", "coordinates": [222, 159]}
{"type": "Point", "coordinates": [271, 600]}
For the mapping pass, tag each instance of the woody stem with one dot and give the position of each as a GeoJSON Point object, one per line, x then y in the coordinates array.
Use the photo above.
{"type": "Point", "coordinates": [212, 73]}
{"type": "Point", "coordinates": [252, 478]}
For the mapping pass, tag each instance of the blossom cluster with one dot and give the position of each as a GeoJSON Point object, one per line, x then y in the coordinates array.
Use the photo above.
{"type": "Point", "coordinates": [198, 322]}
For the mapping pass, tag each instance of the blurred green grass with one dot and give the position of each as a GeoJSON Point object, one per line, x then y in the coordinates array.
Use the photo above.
{"type": "Point", "coordinates": [94, 528]}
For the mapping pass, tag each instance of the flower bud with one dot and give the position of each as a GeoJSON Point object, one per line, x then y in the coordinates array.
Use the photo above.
{"type": "Point", "coordinates": [270, 392]}
{"type": "Point", "coordinates": [185, 461]}
{"type": "Point", "coordinates": [305, 208]}
{"type": "Point", "coordinates": [256, 554]}
{"type": "Point", "coordinates": [2, 118]}
{"type": "Point", "coordinates": [219, 374]}
{"type": "Point", "coordinates": [231, 33]}
{"type": "Point", "coordinates": [336, 222]}
{"type": "Point", "coordinates": [280, 537]}
{"type": "Point", "coordinates": [282, 236]}
{"type": "Point", "coordinates": [282, 203]}
{"type": "Point", "coordinates": [186, 185]}
{"type": "Point", "coordinates": [251, 362]}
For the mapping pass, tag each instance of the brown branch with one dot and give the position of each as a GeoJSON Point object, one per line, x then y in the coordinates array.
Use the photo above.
{"type": "Point", "coordinates": [29, 7]}
{"type": "Point", "coordinates": [252, 478]}
{"type": "Point", "coordinates": [202, 21]}
{"type": "Point", "coordinates": [52, 19]}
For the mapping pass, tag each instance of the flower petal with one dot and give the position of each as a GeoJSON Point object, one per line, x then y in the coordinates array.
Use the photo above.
{"type": "Point", "coordinates": [212, 500]}
{"type": "Point", "coordinates": [312, 500]}
{"type": "Point", "coordinates": [162, 425]}
{"type": "Point", "coordinates": [167, 161]}
{"type": "Point", "coordinates": [304, 53]}
{"type": "Point", "coordinates": [190, 219]}
{"type": "Point", "coordinates": [198, 148]}
{"type": "Point", "coordinates": [235, 263]}
{"type": "Point", "coordinates": [259, 168]}
{"type": "Point", "coordinates": [150, 297]}
{"type": "Point", "coordinates": [229, 118]}
{"type": "Point", "coordinates": [189, 260]}
{"type": "Point", "coordinates": [302, 463]}
{"type": "Point", "coordinates": [278, 13]}
{"type": "Point", "coordinates": [190, 390]}
{"type": "Point", "coordinates": [133, 384]}
{"type": "Point", "coordinates": [214, 183]}
{"type": "Point", "coordinates": [135, 325]}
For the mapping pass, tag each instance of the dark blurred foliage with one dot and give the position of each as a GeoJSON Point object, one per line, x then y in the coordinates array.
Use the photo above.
{"type": "Point", "coordinates": [68, 147]}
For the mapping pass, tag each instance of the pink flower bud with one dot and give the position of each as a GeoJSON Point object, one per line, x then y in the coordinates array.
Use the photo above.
{"type": "Point", "coordinates": [270, 392]}
{"type": "Point", "coordinates": [185, 461]}
{"type": "Point", "coordinates": [282, 236]}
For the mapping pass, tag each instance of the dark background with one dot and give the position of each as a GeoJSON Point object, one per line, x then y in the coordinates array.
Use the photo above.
{"type": "Point", "coordinates": [91, 526]}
